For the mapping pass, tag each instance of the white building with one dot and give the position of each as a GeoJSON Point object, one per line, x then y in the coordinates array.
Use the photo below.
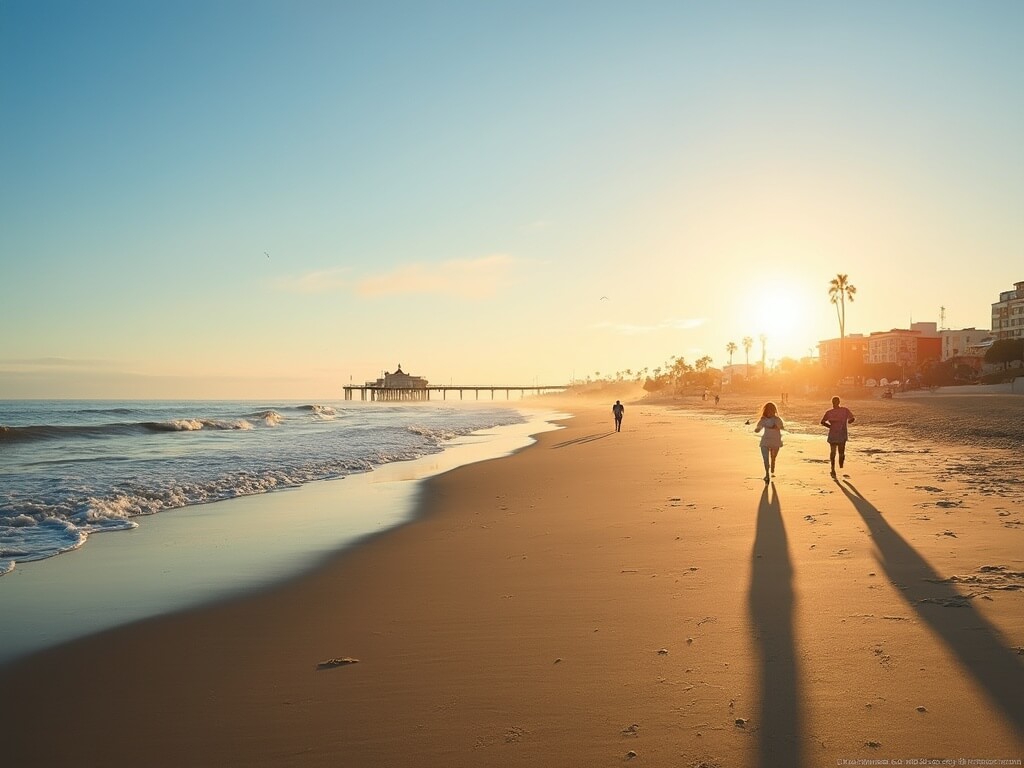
{"type": "Point", "coordinates": [957, 343]}
{"type": "Point", "coordinates": [1008, 314]}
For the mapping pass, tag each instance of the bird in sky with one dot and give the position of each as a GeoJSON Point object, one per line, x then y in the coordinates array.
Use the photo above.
{"type": "Point", "coordinates": [604, 298]}
{"type": "Point", "coordinates": [266, 254]}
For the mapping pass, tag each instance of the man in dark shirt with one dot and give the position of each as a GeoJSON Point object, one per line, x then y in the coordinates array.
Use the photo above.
{"type": "Point", "coordinates": [617, 410]}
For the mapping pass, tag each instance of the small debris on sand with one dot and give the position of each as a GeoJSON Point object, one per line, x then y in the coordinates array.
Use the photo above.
{"type": "Point", "coordinates": [663, 651]}
{"type": "Point", "coordinates": [632, 730]}
{"type": "Point", "coordinates": [922, 709]}
{"type": "Point", "coordinates": [741, 722]}
{"type": "Point", "coordinates": [630, 755]}
{"type": "Point", "coordinates": [873, 744]}
{"type": "Point", "coordinates": [337, 662]}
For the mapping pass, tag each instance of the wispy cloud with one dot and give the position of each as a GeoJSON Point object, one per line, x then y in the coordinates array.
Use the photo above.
{"type": "Point", "coordinates": [53, 362]}
{"type": "Point", "coordinates": [464, 278]}
{"type": "Point", "coordinates": [319, 281]}
{"type": "Point", "coordinates": [674, 324]}
{"type": "Point", "coordinates": [536, 225]}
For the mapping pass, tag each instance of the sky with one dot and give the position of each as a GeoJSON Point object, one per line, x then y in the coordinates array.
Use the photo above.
{"type": "Point", "coordinates": [252, 199]}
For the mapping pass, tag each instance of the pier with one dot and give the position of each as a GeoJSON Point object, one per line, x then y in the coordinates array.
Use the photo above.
{"type": "Point", "coordinates": [377, 393]}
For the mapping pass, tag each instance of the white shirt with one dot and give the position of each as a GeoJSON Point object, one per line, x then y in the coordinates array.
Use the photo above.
{"type": "Point", "coordinates": [772, 426]}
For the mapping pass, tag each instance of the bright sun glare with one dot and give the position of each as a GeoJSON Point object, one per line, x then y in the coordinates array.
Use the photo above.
{"type": "Point", "coordinates": [783, 311]}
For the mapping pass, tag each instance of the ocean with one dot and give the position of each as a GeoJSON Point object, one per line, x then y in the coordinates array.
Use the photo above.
{"type": "Point", "coordinates": [71, 469]}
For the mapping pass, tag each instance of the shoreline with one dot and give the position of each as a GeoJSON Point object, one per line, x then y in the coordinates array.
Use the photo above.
{"type": "Point", "coordinates": [592, 596]}
{"type": "Point", "coordinates": [187, 557]}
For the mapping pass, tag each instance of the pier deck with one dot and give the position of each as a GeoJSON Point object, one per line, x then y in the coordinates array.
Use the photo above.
{"type": "Point", "coordinates": [392, 394]}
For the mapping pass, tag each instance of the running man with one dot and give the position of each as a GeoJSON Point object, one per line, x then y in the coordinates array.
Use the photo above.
{"type": "Point", "coordinates": [617, 410]}
{"type": "Point", "coordinates": [837, 420]}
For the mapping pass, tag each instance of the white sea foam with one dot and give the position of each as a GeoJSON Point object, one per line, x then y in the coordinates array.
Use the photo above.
{"type": "Point", "coordinates": [186, 425]}
{"type": "Point", "coordinates": [436, 434]}
{"type": "Point", "coordinates": [50, 536]}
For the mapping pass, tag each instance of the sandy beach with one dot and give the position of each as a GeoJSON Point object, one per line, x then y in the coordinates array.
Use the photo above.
{"type": "Point", "coordinates": [598, 598]}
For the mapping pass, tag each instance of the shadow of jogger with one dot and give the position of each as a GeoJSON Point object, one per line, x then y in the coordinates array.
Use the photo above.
{"type": "Point", "coordinates": [971, 638]}
{"type": "Point", "coordinates": [771, 608]}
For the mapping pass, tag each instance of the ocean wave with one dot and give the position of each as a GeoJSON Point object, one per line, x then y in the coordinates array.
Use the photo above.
{"type": "Point", "coordinates": [57, 432]}
{"type": "Point", "coordinates": [269, 417]}
{"type": "Point", "coordinates": [116, 411]}
{"type": "Point", "coordinates": [323, 411]}
{"type": "Point", "coordinates": [65, 431]}
{"type": "Point", "coordinates": [434, 434]}
{"type": "Point", "coordinates": [193, 425]}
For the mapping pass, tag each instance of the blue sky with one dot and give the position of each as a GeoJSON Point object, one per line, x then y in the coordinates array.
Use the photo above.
{"type": "Point", "coordinates": [454, 186]}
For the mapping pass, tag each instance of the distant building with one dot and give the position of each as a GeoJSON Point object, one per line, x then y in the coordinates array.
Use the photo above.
{"type": "Point", "coordinates": [852, 351]}
{"type": "Point", "coordinates": [1008, 314]}
{"type": "Point", "coordinates": [398, 380]}
{"type": "Point", "coordinates": [959, 343]}
{"type": "Point", "coordinates": [918, 344]}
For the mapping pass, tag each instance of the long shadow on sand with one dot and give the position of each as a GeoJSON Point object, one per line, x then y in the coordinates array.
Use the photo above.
{"type": "Point", "coordinates": [771, 608]}
{"type": "Point", "coordinates": [972, 639]}
{"type": "Point", "coordinates": [584, 439]}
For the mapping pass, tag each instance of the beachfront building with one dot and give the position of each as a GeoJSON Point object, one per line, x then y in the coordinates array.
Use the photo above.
{"type": "Point", "coordinates": [851, 352]}
{"type": "Point", "coordinates": [1008, 314]}
{"type": "Point", "coordinates": [399, 380]}
{"type": "Point", "coordinates": [399, 386]}
{"type": "Point", "coordinates": [960, 343]}
{"type": "Point", "coordinates": [919, 344]}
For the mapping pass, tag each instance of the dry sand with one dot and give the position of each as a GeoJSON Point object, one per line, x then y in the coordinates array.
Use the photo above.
{"type": "Point", "coordinates": [596, 599]}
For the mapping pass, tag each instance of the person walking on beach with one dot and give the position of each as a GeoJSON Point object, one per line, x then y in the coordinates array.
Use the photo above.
{"type": "Point", "coordinates": [617, 410]}
{"type": "Point", "coordinates": [837, 419]}
{"type": "Point", "coordinates": [771, 440]}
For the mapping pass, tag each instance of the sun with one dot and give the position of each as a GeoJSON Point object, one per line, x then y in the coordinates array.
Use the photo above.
{"type": "Point", "coordinates": [786, 313]}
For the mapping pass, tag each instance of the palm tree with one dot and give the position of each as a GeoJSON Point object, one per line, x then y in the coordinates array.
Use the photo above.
{"type": "Point", "coordinates": [764, 341]}
{"type": "Point", "coordinates": [730, 348]}
{"type": "Point", "coordinates": [841, 290]}
{"type": "Point", "coordinates": [747, 344]}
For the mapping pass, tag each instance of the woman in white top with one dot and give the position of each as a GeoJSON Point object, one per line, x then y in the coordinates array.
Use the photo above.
{"type": "Point", "coordinates": [771, 440]}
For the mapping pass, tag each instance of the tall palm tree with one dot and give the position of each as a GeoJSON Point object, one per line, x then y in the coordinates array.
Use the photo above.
{"type": "Point", "coordinates": [764, 341]}
{"type": "Point", "coordinates": [730, 348]}
{"type": "Point", "coordinates": [747, 344]}
{"type": "Point", "coordinates": [841, 290]}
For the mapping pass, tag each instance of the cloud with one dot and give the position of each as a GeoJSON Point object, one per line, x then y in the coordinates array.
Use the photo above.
{"type": "Point", "coordinates": [36, 363]}
{"type": "Point", "coordinates": [675, 324]}
{"type": "Point", "coordinates": [464, 278]}
{"type": "Point", "coordinates": [319, 281]}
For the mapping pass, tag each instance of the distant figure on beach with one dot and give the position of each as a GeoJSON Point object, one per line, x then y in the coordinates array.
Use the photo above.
{"type": "Point", "coordinates": [836, 420]}
{"type": "Point", "coordinates": [716, 398]}
{"type": "Point", "coordinates": [771, 440]}
{"type": "Point", "coordinates": [617, 410]}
